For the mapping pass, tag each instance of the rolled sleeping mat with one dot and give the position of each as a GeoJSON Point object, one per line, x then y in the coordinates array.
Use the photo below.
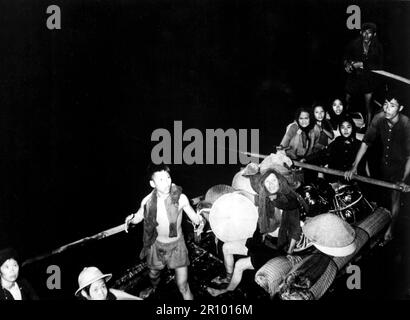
{"type": "Point", "coordinates": [272, 273]}
{"type": "Point", "coordinates": [374, 223]}
{"type": "Point", "coordinates": [366, 230]}
{"type": "Point", "coordinates": [324, 282]}
{"type": "Point", "coordinates": [233, 217]}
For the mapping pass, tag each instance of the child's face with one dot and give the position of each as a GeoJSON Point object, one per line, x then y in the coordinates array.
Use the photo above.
{"type": "Point", "coordinates": [98, 290]}
{"type": "Point", "coordinates": [161, 181]}
{"type": "Point", "coordinates": [319, 113]}
{"type": "Point", "coordinates": [271, 183]}
{"type": "Point", "coordinates": [391, 109]}
{"type": "Point", "coordinates": [346, 129]}
{"type": "Point", "coordinates": [304, 119]}
{"type": "Point", "coordinates": [337, 107]}
{"type": "Point", "coordinates": [9, 270]}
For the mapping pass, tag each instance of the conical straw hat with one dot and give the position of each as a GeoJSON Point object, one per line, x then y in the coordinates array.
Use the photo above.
{"type": "Point", "coordinates": [233, 217]}
{"type": "Point", "coordinates": [240, 182]}
{"type": "Point", "coordinates": [331, 235]}
{"type": "Point", "coordinates": [216, 191]}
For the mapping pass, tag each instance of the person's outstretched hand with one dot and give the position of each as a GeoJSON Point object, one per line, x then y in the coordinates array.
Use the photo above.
{"type": "Point", "coordinates": [128, 220]}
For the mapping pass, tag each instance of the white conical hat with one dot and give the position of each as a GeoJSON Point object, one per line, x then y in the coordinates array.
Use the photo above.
{"type": "Point", "coordinates": [331, 235]}
{"type": "Point", "coordinates": [216, 191]}
{"type": "Point", "coordinates": [240, 182]}
{"type": "Point", "coordinates": [233, 217]}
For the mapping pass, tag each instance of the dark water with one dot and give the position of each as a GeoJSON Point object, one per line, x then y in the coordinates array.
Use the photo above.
{"type": "Point", "coordinates": [78, 105]}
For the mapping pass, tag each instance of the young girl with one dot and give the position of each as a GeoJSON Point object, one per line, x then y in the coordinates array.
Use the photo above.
{"type": "Point", "coordinates": [326, 131]}
{"type": "Point", "coordinates": [336, 113]}
{"type": "Point", "coordinates": [92, 286]}
{"type": "Point", "coordinates": [301, 137]}
{"type": "Point", "coordinates": [341, 153]}
{"type": "Point", "coordinates": [13, 288]}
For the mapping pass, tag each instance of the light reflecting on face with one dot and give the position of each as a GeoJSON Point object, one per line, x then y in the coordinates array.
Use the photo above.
{"type": "Point", "coordinates": [98, 290]}
{"type": "Point", "coordinates": [368, 35]}
{"type": "Point", "coordinates": [162, 181]}
{"type": "Point", "coordinates": [319, 113]}
{"type": "Point", "coordinates": [271, 183]}
{"type": "Point", "coordinates": [337, 107]}
{"type": "Point", "coordinates": [9, 270]}
{"type": "Point", "coordinates": [391, 108]}
{"type": "Point", "coordinates": [346, 129]}
{"type": "Point", "coordinates": [304, 119]}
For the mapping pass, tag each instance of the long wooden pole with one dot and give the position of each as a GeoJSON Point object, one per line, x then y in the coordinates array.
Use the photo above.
{"type": "Point", "coordinates": [392, 76]}
{"type": "Point", "coordinates": [340, 173]}
{"type": "Point", "coordinates": [101, 235]}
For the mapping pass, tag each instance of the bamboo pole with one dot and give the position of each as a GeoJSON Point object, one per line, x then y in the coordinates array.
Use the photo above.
{"type": "Point", "coordinates": [101, 235]}
{"type": "Point", "coordinates": [392, 76]}
{"type": "Point", "coordinates": [340, 173]}
{"type": "Point", "coordinates": [98, 236]}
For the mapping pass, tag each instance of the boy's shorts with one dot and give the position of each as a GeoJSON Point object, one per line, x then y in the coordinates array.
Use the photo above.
{"type": "Point", "coordinates": [173, 255]}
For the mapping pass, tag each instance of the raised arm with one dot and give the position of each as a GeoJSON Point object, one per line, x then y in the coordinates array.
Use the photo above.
{"type": "Point", "coordinates": [192, 215]}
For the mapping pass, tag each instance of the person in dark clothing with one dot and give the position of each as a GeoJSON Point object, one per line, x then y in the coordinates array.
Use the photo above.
{"type": "Point", "coordinates": [362, 55]}
{"type": "Point", "coordinates": [392, 129]}
{"type": "Point", "coordinates": [341, 153]}
{"type": "Point", "coordinates": [273, 192]}
{"type": "Point", "coordinates": [13, 287]}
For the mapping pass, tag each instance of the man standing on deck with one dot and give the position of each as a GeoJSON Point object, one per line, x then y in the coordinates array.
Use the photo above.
{"type": "Point", "coordinates": [362, 55]}
{"type": "Point", "coordinates": [392, 130]}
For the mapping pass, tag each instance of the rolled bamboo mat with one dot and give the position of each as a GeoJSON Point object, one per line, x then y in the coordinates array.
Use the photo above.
{"type": "Point", "coordinates": [374, 223]}
{"type": "Point", "coordinates": [272, 273]}
{"type": "Point", "coordinates": [365, 230]}
{"type": "Point", "coordinates": [325, 281]}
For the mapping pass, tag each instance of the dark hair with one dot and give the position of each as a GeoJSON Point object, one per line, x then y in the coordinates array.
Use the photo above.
{"type": "Point", "coordinates": [349, 119]}
{"type": "Point", "coordinates": [312, 121]}
{"type": "Point", "coordinates": [313, 111]}
{"type": "Point", "coordinates": [391, 94]}
{"type": "Point", "coordinates": [8, 253]}
{"type": "Point", "coordinates": [110, 296]}
{"type": "Point", "coordinates": [152, 168]}
{"type": "Point", "coordinates": [369, 25]}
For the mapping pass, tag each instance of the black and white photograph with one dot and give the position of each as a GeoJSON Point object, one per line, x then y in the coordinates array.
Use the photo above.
{"type": "Point", "coordinates": [236, 153]}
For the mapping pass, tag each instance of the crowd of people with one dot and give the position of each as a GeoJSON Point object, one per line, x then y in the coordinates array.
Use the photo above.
{"type": "Point", "coordinates": [323, 135]}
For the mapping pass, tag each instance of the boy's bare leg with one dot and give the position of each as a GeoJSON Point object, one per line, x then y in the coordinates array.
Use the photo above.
{"type": "Point", "coordinates": [154, 276]}
{"type": "Point", "coordinates": [181, 277]}
{"type": "Point", "coordinates": [240, 266]}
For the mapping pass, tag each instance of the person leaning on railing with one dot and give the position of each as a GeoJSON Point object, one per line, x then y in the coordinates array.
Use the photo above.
{"type": "Point", "coordinates": [391, 128]}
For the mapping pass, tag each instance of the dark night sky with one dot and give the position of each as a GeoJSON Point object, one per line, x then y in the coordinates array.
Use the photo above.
{"type": "Point", "coordinates": [78, 105]}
